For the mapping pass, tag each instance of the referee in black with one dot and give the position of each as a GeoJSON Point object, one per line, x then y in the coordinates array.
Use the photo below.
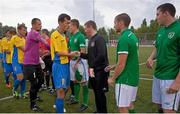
{"type": "Point", "coordinates": [97, 59]}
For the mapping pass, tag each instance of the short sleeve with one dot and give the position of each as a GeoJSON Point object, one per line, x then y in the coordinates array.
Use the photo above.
{"type": "Point", "coordinates": [82, 41]}
{"type": "Point", "coordinates": [123, 46]}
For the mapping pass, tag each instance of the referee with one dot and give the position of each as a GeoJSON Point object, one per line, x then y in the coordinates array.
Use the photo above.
{"type": "Point", "coordinates": [97, 60]}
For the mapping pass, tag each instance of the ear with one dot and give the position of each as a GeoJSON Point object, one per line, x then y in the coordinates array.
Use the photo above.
{"type": "Point", "coordinates": [166, 13]}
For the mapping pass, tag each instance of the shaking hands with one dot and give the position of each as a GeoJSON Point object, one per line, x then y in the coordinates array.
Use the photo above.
{"type": "Point", "coordinates": [75, 54]}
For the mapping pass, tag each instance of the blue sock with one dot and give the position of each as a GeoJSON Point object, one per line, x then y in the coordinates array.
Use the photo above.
{"type": "Point", "coordinates": [16, 84]}
{"type": "Point", "coordinates": [23, 86]}
{"type": "Point", "coordinates": [14, 76]}
{"type": "Point", "coordinates": [59, 105]}
{"type": "Point", "coordinates": [6, 78]}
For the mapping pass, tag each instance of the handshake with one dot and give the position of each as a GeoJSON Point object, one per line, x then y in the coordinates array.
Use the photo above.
{"type": "Point", "coordinates": [75, 54]}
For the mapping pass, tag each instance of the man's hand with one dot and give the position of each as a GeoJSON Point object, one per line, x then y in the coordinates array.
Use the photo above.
{"type": "Point", "coordinates": [75, 54]}
{"type": "Point", "coordinates": [173, 88]}
{"type": "Point", "coordinates": [111, 81]}
{"type": "Point", "coordinates": [91, 72]}
{"type": "Point", "coordinates": [108, 68]}
{"type": "Point", "coordinates": [150, 63]}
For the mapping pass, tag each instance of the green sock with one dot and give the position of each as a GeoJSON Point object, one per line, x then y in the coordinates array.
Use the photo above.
{"type": "Point", "coordinates": [131, 111]}
{"type": "Point", "coordinates": [85, 94]}
{"type": "Point", "coordinates": [76, 91]}
{"type": "Point", "coordinates": [78, 75]}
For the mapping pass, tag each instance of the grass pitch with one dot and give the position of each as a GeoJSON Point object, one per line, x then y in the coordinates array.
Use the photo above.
{"type": "Point", "coordinates": [142, 105]}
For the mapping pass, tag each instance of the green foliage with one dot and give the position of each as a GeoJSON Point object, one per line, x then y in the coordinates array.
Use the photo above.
{"type": "Point", "coordinates": [3, 29]}
{"type": "Point", "coordinates": [81, 29]}
{"type": "Point", "coordinates": [147, 32]}
{"type": "Point", "coordinates": [112, 34]}
{"type": "Point", "coordinates": [102, 31]}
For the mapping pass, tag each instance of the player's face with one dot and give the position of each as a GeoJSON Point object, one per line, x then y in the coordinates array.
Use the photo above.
{"type": "Point", "coordinates": [72, 28]}
{"type": "Point", "coordinates": [160, 17]}
{"type": "Point", "coordinates": [7, 34]}
{"type": "Point", "coordinates": [38, 25]}
{"type": "Point", "coordinates": [88, 30]}
{"type": "Point", "coordinates": [65, 25]}
{"type": "Point", "coordinates": [43, 34]}
{"type": "Point", "coordinates": [22, 31]}
{"type": "Point", "coordinates": [117, 26]}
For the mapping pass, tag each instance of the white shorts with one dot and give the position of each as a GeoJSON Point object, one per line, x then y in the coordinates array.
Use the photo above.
{"type": "Point", "coordinates": [160, 95]}
{"type": "Point", "coordinates": [82, 67]}
{"type": "Point", "coordinates": [125, 94]}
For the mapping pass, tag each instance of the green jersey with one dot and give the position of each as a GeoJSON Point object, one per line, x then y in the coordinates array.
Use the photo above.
{"type": "Point", "coordinates": [168, 52]}
{"type": "Point", "coordinates": [76, 41]}
{"type": "Point", "coordinates": [128, 44]}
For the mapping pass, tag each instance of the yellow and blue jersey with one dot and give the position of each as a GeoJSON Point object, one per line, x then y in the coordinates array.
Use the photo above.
{"type": "Point", "coordinates": [0, 46]}
{"type": "Point", "coordinates": [18, 54]}
{"type": "Point", "coordinates": [1, 55]}
{"type": "Point", "coordinates": [9, 55]}
{"type": "Point", "coordinates": [58, 43]}
{"type": "Point", "coordinates": [4, 47]}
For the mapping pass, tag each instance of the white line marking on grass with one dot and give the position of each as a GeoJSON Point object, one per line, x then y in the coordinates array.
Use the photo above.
{"type": "Point", "coordinates": [142, 63]}
{"type": "Point", "coordinates": [146, 75]}
{"type": "Point", "coordinates": [148, 79]}
{"type": "Point", "coordinates": [9, 97]}
{"type": "Point", "coordinates": [5, 98]}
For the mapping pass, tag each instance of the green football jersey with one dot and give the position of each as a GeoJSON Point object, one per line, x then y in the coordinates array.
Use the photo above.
{"type": "Point", "coordinates": [76, 41]}
{"type": "Point", "coordinates": [168, 52]}
{"type": "Point", "coordinates": [128, 44]}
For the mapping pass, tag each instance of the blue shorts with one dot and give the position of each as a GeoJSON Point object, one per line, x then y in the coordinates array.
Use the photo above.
{"type": "Point", "coordinates": [7, 68]}
{"type": "Point", "coordinates": [1, 55]}
{"type": "Point", "coordinates": [17, 68]}
{"type": "Point", "coordinates": [61, 75]}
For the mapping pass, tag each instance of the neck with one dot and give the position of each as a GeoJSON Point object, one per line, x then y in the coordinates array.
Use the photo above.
{"type": "Point", "coordinates": [169, 21]}
{"type": "Point", "coordinates": [93, 33]}
{"type": "Point", "coordinates": [20, 35]}
{"type": "Point", "coordinates": [60, 29]}
{"type": "Point", "coordinates": [75, 31]}
{"type": "Point", "coordinates": [123, 29]}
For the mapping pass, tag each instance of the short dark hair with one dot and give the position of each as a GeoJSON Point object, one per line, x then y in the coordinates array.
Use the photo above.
{"type": "Point", "coordinates": [20, 26]}
{"type": "Point", "coordinates": [63, 16]}
{"type": "Point", "coordinates": [45, 31]}
{"type": "Point", "coordinates": [34, 20]}
{"type": "Point", "coordinates": [12, 31]}
{"type": "Point", "coordinates": [91, 23]}
{"type": "Point", "coordinates": [123, 17]}
{"type": "Point", "coordinates": [167, 7]}
{"type": "Point", "coordinates": [75, 22]}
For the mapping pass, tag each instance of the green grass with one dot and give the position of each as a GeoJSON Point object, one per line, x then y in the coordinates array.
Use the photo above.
{"type": "Point", "coordinates": [143, 103]}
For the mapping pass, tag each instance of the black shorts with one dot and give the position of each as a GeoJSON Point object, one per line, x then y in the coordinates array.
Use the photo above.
{"type": "Point", "coordinates": [32, 71]}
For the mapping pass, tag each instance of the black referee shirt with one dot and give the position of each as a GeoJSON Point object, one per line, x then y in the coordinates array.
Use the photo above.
{"type": "Point", "coordinates": [97, 53]}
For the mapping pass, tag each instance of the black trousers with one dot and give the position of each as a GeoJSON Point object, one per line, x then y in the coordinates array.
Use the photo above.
{"type": "Point", "coordinates": [100, 87]}
{"type": "Point", "coordinates": [48, 68]}
{"type": "Point", "coordinates": [34, 74]}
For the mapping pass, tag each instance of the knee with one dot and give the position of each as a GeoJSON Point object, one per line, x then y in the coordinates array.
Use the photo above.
{"type": "Point", "coordinates": [20, 77]}
{"type": "Point", "coordinates": [61, 93]}
{"type": "Point", "coordinates": [123, 110]}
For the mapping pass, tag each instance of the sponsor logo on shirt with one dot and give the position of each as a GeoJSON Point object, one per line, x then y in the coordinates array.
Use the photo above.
{"type": "Point", "coordinates": [159, 35]}
{"type": "Point", "coordinates": [92, 44]}
{"type": "Point", "coordinates": [171, 35]}
{"type": "Point", "coordinates": [75, 40]}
